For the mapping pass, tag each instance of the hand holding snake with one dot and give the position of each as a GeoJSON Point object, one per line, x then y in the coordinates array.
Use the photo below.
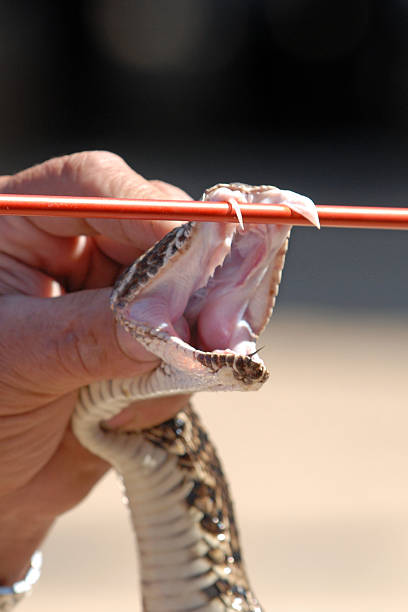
{"type": "Point", "coordinates": [50, 348]}
{"type": "Point", "coordinates": [197, 300]}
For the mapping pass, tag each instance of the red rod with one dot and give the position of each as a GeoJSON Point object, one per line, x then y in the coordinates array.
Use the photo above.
{"type": "Point", "coordinates": [181, 210]}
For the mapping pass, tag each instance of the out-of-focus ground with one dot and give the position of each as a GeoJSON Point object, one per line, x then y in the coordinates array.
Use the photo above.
{"type": "Point", "coordinates": [318, 463]}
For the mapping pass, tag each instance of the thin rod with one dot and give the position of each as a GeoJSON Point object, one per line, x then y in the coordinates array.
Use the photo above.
{"type": "Point", "coordinates": [181, 210]}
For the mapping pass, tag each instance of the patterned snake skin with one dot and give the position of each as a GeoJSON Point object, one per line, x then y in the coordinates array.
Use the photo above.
{"type": "Point", "coordinates": [180, 505]}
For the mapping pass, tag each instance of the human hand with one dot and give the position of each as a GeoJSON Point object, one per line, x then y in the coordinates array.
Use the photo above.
{"type": "Point", "coordinates": [58, 334]}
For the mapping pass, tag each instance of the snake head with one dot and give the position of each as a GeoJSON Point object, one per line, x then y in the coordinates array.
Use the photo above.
{"type": "Point", "coordinates": [199, 298]}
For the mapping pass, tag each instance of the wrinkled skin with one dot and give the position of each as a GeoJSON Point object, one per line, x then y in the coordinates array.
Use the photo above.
{"type": "Point", "coordinates": [51, 347]}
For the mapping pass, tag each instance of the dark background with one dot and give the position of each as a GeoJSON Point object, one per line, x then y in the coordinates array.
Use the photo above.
{"type": "Point", "coordinates": [305, 94]}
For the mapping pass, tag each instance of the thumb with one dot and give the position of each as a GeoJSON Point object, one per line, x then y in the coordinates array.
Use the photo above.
{"type": "Point", "coordinates": [52, 346]}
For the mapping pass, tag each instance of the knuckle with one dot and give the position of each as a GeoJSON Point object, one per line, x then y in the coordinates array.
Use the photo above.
{"type": "Point", "coordinates": [169, 191]}
{"type": "Point", "coordinates": [85, 165]}
{"type": "Point", "coordinates": [81, 353]}
{"type": "Point", "coordinates": [160, 186]}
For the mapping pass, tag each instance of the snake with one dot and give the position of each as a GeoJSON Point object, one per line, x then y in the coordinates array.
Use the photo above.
{"type": "Point", "coordinates": [198, 299]}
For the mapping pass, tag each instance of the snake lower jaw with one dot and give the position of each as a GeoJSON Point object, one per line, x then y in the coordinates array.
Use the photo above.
{"type": "Point", "coordinates": [214, 370]}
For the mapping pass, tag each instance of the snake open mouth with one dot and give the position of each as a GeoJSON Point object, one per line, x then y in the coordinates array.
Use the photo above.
{"type": "Point", "coordinates": [211, 285]}
{"type": "Point", "coordinates": [216, 291]}
{"type": "Point", "coordinates": [226, 313]}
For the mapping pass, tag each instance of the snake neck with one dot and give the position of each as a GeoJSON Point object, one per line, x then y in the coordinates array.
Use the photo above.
{"type": "Point", "coordinates": [182, 513]}
{"type": "Point", "coordinates": [99, 401]}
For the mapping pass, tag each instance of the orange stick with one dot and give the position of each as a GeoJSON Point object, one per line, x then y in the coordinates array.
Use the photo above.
{"type": "Point", "coordinates": [181, 210]}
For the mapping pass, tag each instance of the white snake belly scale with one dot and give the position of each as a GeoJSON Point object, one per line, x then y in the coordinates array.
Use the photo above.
{"type": "Point", "coordinates": [197, 299]}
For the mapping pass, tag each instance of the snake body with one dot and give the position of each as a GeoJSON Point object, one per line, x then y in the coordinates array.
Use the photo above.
{"type": "Point", "coordinates": [197, 299]}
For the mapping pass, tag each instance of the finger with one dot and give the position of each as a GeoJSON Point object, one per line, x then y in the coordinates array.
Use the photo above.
{"type": "Point", "coordinates": [94, 173]}
{"type": "Point", "coordinates": [141, 415]}
{"type": "Point", "coordinates": [16, 277]}
{"type": "Point", "coordinates": [71, 469]}
{"type": "Point", "coordinates": [76, 469]}
{"type": "Point", "coordinates": [50, 262]}
{"type": "Point", "coordinates": [25, 245]}
{"type": "Point", "coordinates": [54, 346]}
{"type": "Point", "coordinates": [53, 244]}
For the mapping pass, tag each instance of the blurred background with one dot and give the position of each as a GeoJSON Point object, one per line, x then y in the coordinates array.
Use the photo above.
{"type": "Point", "coordinates": [304, 94]}
{"type": "Point", "coordinates": [308, 95]}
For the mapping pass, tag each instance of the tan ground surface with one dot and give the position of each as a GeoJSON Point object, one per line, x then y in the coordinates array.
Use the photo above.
{"type": "Point", "coordinates": [318, 462]}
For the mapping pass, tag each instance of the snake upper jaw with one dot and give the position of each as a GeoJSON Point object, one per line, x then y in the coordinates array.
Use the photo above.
{"type": "Point", "coordinates": [242, 193]}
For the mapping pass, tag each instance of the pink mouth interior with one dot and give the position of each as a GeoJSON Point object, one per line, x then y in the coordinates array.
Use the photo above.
{"type": "Point", "coordinates": [203, 297]}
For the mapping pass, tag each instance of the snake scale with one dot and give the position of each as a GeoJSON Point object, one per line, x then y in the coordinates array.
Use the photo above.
{"type": "Point", "coordinates": [197, 299]}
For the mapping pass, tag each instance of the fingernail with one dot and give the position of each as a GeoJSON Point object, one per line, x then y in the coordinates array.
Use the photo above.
{"type": "Point", "coordinates": [126, 416]}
